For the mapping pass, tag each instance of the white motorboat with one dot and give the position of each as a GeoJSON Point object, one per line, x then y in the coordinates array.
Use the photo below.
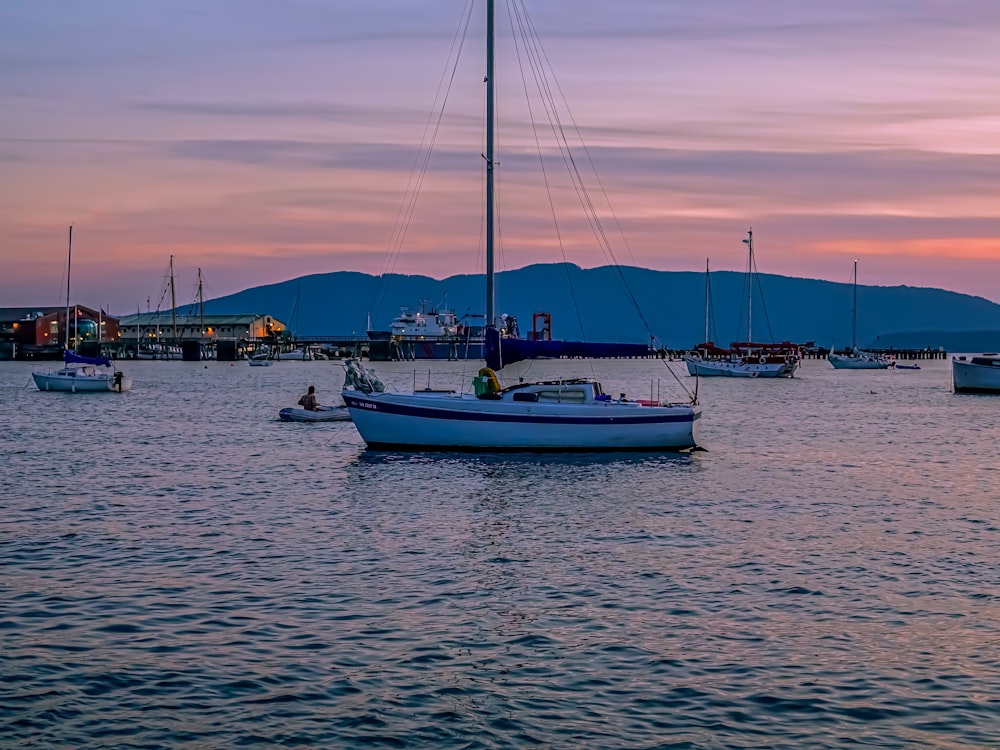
{"type": "Point", "coordinates": [423, 324]}
{"type": "Point", "coordinates": [856, 359]}
{"type": "Point", "coordinates": [321, 414]}
{"type": "Point", "coordinates": [565, 415]}
{"type": "Point", "coordinates": [981, 374]}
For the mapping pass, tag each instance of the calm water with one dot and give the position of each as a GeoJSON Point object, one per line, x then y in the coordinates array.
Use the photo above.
{"type": "Point", "coordinates": [179, 569]}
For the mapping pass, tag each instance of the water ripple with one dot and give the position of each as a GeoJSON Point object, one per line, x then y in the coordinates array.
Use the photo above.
{"type": "Point", "coordinates": [181, 570]}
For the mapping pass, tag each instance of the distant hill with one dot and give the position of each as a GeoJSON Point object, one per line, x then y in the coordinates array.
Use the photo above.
{"type": "Point", "coordinates": [594, 304]}
{"type": "Point", "coordinates": [950, 341]}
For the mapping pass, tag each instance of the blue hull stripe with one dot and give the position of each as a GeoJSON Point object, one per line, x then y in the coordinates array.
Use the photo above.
{"type": "Point", "coordinates": [365, 405]}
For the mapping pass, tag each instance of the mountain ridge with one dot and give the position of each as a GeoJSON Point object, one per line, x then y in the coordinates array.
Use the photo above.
{"type": "Point", "coordinates": [596, 304]}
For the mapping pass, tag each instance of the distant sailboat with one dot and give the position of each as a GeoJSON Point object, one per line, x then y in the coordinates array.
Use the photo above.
{"type": "Point", "coordinates": [744, 359]}
{"type": "Point", "coordinates": [857, 359]}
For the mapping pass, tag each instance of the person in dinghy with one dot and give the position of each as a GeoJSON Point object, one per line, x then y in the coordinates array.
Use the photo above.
{"type": "Point", "coordinates": [309, 401]}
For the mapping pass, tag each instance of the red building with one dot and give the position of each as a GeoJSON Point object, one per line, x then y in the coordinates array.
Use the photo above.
{"type": "Point", "coordinates": [41, 332]}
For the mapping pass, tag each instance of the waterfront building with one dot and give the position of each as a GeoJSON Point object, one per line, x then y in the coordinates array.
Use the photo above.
{"type": "Point", "coordinates": [41, 332]}
{"type": "Point", "coordinates": [156, 327]}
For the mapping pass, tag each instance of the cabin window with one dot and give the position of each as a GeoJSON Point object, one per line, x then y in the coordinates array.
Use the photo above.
{"type": "Point", "coordinates": [574, 395]}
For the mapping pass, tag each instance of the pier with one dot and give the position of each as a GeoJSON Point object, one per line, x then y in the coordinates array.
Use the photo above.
{"type": "Point", "coordinates": [898, 354]}
{"type": "Point", "coordinates": [338, 346]}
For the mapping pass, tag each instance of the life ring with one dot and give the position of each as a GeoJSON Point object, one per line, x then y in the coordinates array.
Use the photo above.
{"type": "Point", "coordinates": [762, 359]}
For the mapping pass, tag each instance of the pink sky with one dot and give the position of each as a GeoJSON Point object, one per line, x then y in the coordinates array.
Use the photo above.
{"type": "Point", "coordinates": [266, 139]}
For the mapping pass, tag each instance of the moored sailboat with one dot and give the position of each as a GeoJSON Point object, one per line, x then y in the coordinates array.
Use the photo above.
{"type": "Point", "coordinates": [743, 359]}
{"type": "Point", "coordinates": [559, 414]}
{"type": "Point", "coordinates": [857, 359]}
{"type": "Point", "coordinates": [80, 374]}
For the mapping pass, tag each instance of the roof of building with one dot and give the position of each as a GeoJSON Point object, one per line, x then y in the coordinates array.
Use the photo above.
{"type": "Point", "coordinates": [30, 313]}
{"type": "Point", "coordinates": [167, 318]}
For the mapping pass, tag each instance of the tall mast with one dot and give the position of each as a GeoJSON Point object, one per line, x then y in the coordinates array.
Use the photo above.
{"type": "Point", "coordinates": [708, 300]}
{"type": "Point", "coordinates": [69, 268]}
{"type": "Point", "coordinates": [749, 243]}
{"type": "Point", "coordinates": [854, 310]}
{"type": "Point", "coordinates": [201, 305]}
{"type": "Point", "coordinates": [490, 96]}
{"type": "Point", "coordinates": [173, 300]}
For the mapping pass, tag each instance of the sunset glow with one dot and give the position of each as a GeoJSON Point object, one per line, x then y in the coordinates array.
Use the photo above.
{"type": "Point", "coordinates": [261, 141]}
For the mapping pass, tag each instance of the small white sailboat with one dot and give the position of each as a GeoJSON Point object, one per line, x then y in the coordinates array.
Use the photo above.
{"type": "Point", "coordinates": [80, 374]}
{"type": "Point", "coordinates": [857, 359]}
{"type": "Point", "coordinates": [572, 414]}
{"type": "Point", "coordinates": [743, 359]}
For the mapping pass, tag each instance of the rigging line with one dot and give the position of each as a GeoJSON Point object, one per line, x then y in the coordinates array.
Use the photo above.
{"type": "Point", "coordinates": [763, 303]}
{"type": "Point", "coordinates": [422, 158]}
{"type": "Point", "coordinates": [580, 184]}
{"type": "Point", "coordinates": [431, 126]}
{"type": "Point", "coordinates": [419, 173]}
{"type": "Point", "coordinates": [586, 150]}
{"type": "Point", "coordinates": [692, 395]}
{"type": "Point", "coordinates": [545, 175]}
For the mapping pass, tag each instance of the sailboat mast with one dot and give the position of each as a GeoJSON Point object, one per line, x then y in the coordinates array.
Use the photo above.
{"type": "Point", "coordinates": [854, 310]}
{"type": "Point", "coordinates": [173, 300]}
{"type": "Point", "coordinates": [69, 269]}
{"type": "Point", "coordinates": [708, 300]}
{"type": "Point", "coordinates": [201, 305]}
{"type": "Point", "coordinates": [749, 242]}
{"type": "Point", "coordinates": [490, 96]}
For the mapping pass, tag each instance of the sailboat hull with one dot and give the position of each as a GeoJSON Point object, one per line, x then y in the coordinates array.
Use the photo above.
{"type": "Point", "coordinates": [848, 362]}
{"type": "Point", "coordinates": [728, 369]}
{"type": "Point", "coordinates": [449, 421]}
{"type": "Point", "coordinates": [73, 380]}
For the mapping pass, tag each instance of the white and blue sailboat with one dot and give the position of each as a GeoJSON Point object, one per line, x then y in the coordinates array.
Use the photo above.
{"type": "Point", "coordinates": [572, 414]}
{"type": "Point", "coordinates": [81, 374]}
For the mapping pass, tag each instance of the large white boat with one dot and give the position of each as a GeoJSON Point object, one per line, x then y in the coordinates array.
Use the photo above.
{"type": "Point", "coordinates": [565, 414]}
{"type": "Point", "coordinates": [426, 324]}
{"type": "Point", "coordinates": [981, 374]}
{"type": "Point", "coordinates": [743, 359]}
{"type": "Point", "coordinates": [857, 359]}
{"type": "Point", "coordinates": [435, 333]}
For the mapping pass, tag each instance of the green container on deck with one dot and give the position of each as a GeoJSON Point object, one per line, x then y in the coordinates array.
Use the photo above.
{"type": "Point", "coordinates": [479, 385]}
